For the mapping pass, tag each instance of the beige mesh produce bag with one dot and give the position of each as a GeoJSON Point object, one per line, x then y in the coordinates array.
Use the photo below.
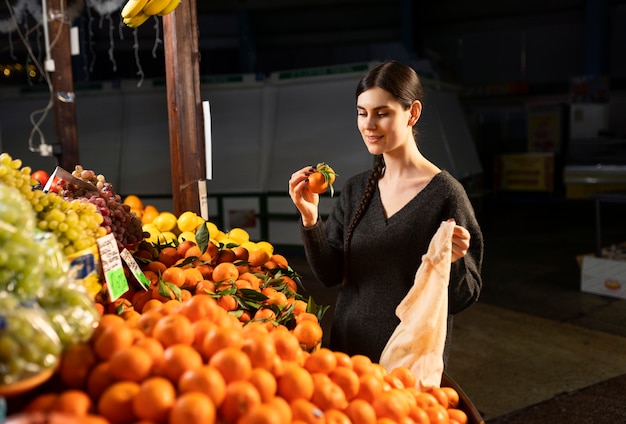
{"type": "Point", "coordinates": [418, 341]}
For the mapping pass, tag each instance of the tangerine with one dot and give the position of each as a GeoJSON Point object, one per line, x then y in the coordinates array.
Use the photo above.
{"type": "Point", "coordinates": [116, 402]}
{"type": "Point", "coordinates": [193, 407]}
{"type": "Point", "coordinates": [155, 399]}
{"type": "Point", "coordinates": [241, 397]}
{"type": "Point", "coordinates": [173, 329]}
{"type": "Point", "coordinates": [232, 363]}
{"type": "Point", "coordinates": [206, 379]}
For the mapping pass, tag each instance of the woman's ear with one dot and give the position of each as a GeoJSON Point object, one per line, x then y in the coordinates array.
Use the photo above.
{"type": "Point", "coordinates": [416, 112]}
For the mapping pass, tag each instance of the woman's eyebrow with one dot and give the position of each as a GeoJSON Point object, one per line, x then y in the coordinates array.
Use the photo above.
{"type": "Point", "coordinates": [375, 108]}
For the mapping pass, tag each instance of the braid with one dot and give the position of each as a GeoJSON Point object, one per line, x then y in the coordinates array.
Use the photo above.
{"type": "Point", "coordinates": [377, 172]}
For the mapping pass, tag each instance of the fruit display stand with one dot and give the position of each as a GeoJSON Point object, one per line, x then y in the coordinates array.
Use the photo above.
{"type": "Point", "coordinates": [203, 325]}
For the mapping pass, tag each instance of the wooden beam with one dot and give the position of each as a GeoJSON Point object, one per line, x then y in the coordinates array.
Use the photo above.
{"type": "Point", "coordinates": [62, 79]}
{"type": "Point", "coordinates": [184, 103]}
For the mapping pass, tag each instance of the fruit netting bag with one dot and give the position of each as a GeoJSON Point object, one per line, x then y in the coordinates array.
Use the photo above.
{"type": "Point", "coordinates": [418, 341]}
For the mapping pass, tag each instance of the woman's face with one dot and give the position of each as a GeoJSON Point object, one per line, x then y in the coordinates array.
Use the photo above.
{"type": "Point", "coordinates": [384, 124]}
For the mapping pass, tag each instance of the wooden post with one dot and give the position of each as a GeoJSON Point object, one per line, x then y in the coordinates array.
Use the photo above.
{"type": "Point", "coordinates": [62, 79]}
{"type": "Point", "coordinates": [184, 102]}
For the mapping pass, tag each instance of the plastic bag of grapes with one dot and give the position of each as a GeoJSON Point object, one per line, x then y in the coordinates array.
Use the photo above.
{"type": "Point", "coordinates": [29, 345]}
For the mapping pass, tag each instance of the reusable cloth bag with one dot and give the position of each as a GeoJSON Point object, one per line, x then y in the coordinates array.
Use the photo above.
{"type": "Point", "coordinates": [418, 341]}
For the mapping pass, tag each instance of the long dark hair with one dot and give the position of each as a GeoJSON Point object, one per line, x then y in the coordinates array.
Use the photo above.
{"type": "Point", "coordinates": [403, 83]}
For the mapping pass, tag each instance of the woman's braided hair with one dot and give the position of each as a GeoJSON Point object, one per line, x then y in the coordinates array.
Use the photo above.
{"type": "Point", "coordinates": [402, 82]}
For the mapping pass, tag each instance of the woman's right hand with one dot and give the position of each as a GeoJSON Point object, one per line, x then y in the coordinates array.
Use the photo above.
{"type": "Point", "coordinates": [305, 201]}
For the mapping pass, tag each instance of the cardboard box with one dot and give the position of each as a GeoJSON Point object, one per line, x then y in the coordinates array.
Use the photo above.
{"type": "Point", "coordinates": [603, 276]}
{"type": "Point", "coordinates": [524, 172]}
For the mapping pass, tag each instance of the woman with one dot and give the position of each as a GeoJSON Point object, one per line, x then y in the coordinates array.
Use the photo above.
{"type": "Point", "coordinates": [384, 219]}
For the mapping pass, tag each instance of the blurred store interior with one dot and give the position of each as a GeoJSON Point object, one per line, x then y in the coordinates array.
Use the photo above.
{"type": "Point", "coordinates": [541, 86]}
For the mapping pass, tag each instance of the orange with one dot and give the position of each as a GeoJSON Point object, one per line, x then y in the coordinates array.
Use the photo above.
{"type": "Point", "coordinates": [405, 375]}
{"type": "Point", "coordinates": [130, 363]}
{"type": "Point", "coordinates": [156, 266]}
{"type": "Point", "coordinates": [205, 287]}
{"type": "Point", "coordinates": [326, 394]}
{"type": "Point", "coordinates": [280, 260]}
{"type": "Point", "coordinates": [42, 403]}
{"type": "Point", "coordinates": [260, 349]}
{"type": "Point", "coordinates": [241, 397]}
{"type": "Point", "coordinates": [335, 416]}
{"type": "Point", "coordinates": [347, 379]}
{"type": "Point", "coordinates": [149, 317]}
{"type": "Point", "coordinates": [182, 248]}
{"type": "Point", "coordinates": [452, 395]}
{"type": "Point", "coordinates": [133, 201]}
{"type": "Point", "coordinates": [112, 339]}
{"type": "Point", "coordinates": [286, 344]}
{"type": "Point", "coordinates": [173, 329]}
{"type": "Point", "coordinates": [99, 379]}
{"type": "Point", "coordinates": [343, 359]}
{"type": "Point", "coordinates": [265, 383]}
{"type": "Point", "coordinates": [116, 403]}
{"type": "Point", "coordinates": [155, 399]}
{"type": "Point", "coordinates": [177, 359]}
{"type": "Point", "coordinates": [282, 406]}
{"type": "Point", "coordinates": [262, 414]}
{"type": "Point", "coordinates": [77, 361]}
{"type": "Point", "coordinates": [154, 348]}
{"type": "Point", "coordinates": [291, 283]}
{"type": "Point", "coordinates": [419, 416]}
{"type": "Point", "coordinates": [308, 333]}
{"type": "Point", "coordinates": [106, 321]}
{"type": "Point", "coordinates": [391, 404]}
{"type": "Point", "coordinates": [200, 329]}
{"type": "Point", "coordinates": [306, 411]}
{"type": "Point", "coordinates": [295, 383]}
{"type": "Point", "coordinates": [361, 364]}
{"type": "Point", "coordinates": [425, 400]}
{"type": "Point", "coordinates": [169, 256]}
{"type": "Point", "coordinates": [228, 302]}
{"type": "Point", "coordinates": [74, 402]}
{"type": "Point", "coordinates": [192, 277]}
{"type": "Point", "coordinates": [151, 304]}
{"type": "Point", "coordinates": [219, 338]}
{"type": "Point", "coordinates": [207, 380]}
{"type": "Point", "coordinates": [257, 257]}
{"type": "Point", "coordinates": [232, 363]}
{"type": "Point", "coordinates": [440, 395]}
{"type": "Point", "coordinates": [370, 387]}
{"type": "Point", "coordinates": [458, 415]}
{"type": "Point", "coordinates": [322, 360]}
{"type": "Point", "coordinates": [299, 306]}
{"type": "Point", "coordinates": [225, 271]}
{"type": "Point", "coordinates": [193, 407]}
{"type": "Point", "coordinates": [174, 275]}
{"type": "Point", "coordinates": [437, 414]}
{"type": "Point", "coordinates": [306, 316]}
{"type": "Point", "coordinates": [361, 411]}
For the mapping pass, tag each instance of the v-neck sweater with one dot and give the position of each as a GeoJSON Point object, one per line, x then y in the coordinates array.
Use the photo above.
{"type": "Point", "coordinates": [385, 253]}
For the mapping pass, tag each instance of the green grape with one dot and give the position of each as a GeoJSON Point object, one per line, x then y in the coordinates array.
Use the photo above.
{"type": "Point", "coordinates": [28, 342]}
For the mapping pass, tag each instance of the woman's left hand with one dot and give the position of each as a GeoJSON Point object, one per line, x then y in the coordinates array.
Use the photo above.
{"type": "Point", "coordinates": [460, 242]}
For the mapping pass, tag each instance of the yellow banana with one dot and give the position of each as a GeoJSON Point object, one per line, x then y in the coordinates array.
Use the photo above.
{"type": "Point", "coordinates": [135, 21]}
{"type": "Point", "coordinates": [132, 8]}
{"type": "Point", "coordinates": [155, 6]}
{"type": "Point", "coordinates": [173, 4]}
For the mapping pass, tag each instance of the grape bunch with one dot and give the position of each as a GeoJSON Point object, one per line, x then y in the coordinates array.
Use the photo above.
{"type": "Point", "coordinates": [28, 342]}
{"type": "Point", "coordinates": [118, 219]}
{"type": "Point", "coordinates": [76, 225]}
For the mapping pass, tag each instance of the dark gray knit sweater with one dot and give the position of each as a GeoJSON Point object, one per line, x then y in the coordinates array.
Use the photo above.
{"type": "Point", "coordinates": [384, 257]}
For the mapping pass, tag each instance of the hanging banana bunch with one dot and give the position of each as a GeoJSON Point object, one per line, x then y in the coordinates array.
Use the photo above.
{"type": "Point", "coordinates": [136, 12]}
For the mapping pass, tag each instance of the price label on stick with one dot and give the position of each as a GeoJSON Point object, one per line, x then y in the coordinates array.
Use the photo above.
{"type": "Point", "coordinates": [112, 266]}
{"type": "Point", "coordinates": [135, 269]}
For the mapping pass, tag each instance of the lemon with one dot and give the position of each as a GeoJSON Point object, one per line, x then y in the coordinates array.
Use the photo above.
{"type": "Point", "coordinates": [250, 246]}
{"type": "Point", "coordinates": [187, 221]}
{"type": "Point", "coordinates": [187, 235]}
{"type": "Point", "coordinates": [221, 235]}
{"type": "Point", "coordinates": [213, 230]}
{"type": "Point", "coordinates": [166, 237]}
{"type": "Point", "coordinates": [239, 235]}
{"type": "Point", "coordinates": [153, 231]}
{"type": "Point", "coordinates": [165, 221]}
{"type": "Point", "coordinates": [265, 245]}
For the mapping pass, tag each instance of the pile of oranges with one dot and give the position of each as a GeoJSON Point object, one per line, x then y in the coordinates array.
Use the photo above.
{"type": "Point", "coordinates": [193, 362]}
{"type": "Point", "coordinates": [221, 335]}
